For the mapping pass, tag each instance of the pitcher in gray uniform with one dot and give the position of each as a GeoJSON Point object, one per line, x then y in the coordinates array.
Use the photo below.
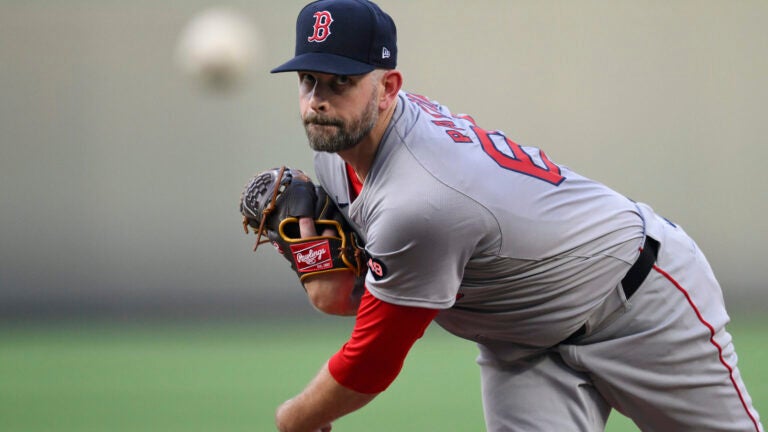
{"type": "Point", "coordinates": [579, 299]}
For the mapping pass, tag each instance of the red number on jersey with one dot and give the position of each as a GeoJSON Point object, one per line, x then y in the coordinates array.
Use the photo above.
{"type": "Point", "coordinates": [519, 161]}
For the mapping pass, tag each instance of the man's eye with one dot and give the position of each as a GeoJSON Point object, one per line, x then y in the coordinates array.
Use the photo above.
{"type": "Point", "coordinates": [306, 78]}
{"type": "Point", "coordinates": [342, 80]}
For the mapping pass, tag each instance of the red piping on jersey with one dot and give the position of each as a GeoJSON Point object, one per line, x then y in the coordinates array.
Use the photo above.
{"type": "Point", "coordinates": [712, 341]}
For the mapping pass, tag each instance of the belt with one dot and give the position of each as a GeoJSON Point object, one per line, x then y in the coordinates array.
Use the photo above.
{"type": "Point", "coordinates": [634, 277]}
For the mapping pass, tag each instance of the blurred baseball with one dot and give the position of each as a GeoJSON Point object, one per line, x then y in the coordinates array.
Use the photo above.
{"type": "Point", "coordinates": [217, 48]}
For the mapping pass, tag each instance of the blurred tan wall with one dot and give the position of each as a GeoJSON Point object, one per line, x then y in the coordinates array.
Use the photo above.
{"type": "Point", "coordinates": [119, 179]}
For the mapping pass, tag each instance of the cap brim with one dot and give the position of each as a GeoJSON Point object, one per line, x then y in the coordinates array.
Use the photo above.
{"type": "Point", "coordinates": [324, 63]}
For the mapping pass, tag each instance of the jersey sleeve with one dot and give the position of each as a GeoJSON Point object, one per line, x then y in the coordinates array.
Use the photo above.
{"type": "Point", "coordinates": [420, 247]}
{"type": "Point", "coordinates": [374, 355]}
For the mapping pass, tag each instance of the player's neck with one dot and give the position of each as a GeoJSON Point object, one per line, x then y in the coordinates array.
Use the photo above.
{"type": "Point", "coordinates": [361, 157]}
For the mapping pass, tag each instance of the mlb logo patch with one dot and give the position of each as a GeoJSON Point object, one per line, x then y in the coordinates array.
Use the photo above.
{"type": "Point", "coordinates": [312, 256]}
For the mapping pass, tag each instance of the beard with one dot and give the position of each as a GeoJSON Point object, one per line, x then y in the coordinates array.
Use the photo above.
{"type": "Point", "coordinates": [335, 135]}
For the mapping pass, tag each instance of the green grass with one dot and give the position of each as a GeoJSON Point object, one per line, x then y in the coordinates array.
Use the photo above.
{"type": "Point", "coordinates": [92, 377]}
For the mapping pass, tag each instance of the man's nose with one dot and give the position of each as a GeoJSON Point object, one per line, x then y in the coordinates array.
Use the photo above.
{"type": "Point", "coordinates": [318, 100]}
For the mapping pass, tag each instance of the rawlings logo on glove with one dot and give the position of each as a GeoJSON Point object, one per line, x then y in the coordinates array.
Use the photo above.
{"type": "Point", "coordinates": [309, 254]}
{"type": "Point", "coordinates": [272, 204]}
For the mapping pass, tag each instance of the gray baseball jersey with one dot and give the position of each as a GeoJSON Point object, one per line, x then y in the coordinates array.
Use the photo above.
{"type": "Point", "coordinates": [510, 245]}
{"type": "Point", "coordinates": [518, 253]}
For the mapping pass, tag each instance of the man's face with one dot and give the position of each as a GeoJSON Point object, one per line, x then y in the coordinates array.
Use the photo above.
{"type": "Point", "coordinates": [338, 111]}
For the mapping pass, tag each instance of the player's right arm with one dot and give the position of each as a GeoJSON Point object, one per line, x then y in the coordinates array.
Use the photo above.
{"type": "Point", "coordinates": [332, 293]}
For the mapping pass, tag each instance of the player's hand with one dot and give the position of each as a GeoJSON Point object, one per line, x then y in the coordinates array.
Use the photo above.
{"type": "Point", "coordinates": [330, 293]}
{"type": "Point", "coordinates": [272, 203]}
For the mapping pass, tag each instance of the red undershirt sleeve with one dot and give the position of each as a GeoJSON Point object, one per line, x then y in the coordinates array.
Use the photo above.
{"type": "Point", "coordinates": [384, 333]}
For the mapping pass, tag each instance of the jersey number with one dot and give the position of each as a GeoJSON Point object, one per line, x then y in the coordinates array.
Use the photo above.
{"type": "Point", "coordinates": [515, 159]}
{"type": "Point", "coordinates": [519, 160]}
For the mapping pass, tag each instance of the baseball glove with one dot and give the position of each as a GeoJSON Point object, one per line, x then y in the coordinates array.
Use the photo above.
{"type": "Point", "coordinates": [274, 200]}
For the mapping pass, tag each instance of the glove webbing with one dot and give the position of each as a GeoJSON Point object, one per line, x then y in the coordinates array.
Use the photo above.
{"type": "Point", "coordinates": [265, 213]}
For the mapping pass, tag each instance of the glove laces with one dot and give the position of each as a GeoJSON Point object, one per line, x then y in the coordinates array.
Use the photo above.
{"type": "Point", "coordinates": [266, 212]}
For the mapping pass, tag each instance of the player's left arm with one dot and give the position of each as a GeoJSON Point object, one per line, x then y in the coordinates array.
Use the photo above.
{"type": "Point", "coordinates": [364, 367]}
{"type": "Point", "coordinates": [322, 401]}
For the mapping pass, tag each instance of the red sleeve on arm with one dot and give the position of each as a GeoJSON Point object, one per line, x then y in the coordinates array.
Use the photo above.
{"type": "Point", "coordinates": [380, 341]}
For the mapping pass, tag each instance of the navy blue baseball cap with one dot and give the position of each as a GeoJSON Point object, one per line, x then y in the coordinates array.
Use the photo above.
{"type": "Point", "coordinates": [343, 37]}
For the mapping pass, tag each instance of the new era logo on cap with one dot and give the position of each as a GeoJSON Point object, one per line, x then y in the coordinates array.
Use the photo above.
{"type": "Point", "coordinates": [343, 37]}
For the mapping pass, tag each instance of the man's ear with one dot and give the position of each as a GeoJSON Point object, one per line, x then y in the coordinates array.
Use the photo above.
{"type": "Point", "coordinates": [392, 81]}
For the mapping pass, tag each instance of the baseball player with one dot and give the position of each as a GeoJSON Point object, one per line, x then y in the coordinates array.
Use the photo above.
{"type": "Point", "coordinates": [579, 299]}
